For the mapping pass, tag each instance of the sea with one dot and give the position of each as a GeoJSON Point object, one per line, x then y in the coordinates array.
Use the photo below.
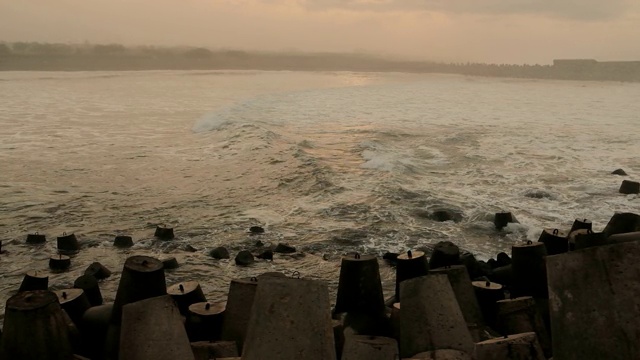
{"type": "Point", "coordinates": [328, 162]}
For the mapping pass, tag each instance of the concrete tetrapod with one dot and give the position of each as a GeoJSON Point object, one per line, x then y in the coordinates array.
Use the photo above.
{"type": "Point", "coordinates": [593, 300]}
{"type": "Point", "coordinates": [520, 315]}
{"type": "Point", "coordinates": [153, 329]}
{"type": "Point", "coordinates": [35, 328]}
{"type": "Point", "coordinates": [512, 347]}
{"type": "Point", "coordinates": [290, 320]}
{"type": "Point", "coordinates": [204, 321]}
{"type": "Point", "coordinates": [185, 294]}
{"type": "Point", "coordinates": [364, 347]}
{"type": "Point", "coordinates": [463, 289]}
{"type": "Point", "coordinates": [74, 302]}
{"type": "Point", "coordinates": [445, 354]}
{"type": "Point", "coordinates": [34, 280]}
{"type": "Point", "coordinates": [430, 317]}
{"type": "Point", "coordinates": [529, 269]}
{"type": "Point", "coordinates": [238, 310]}
{"type": "Point", "coordinates": [410, 265]}
{"type": "Point", "coordinates": [360, 287]}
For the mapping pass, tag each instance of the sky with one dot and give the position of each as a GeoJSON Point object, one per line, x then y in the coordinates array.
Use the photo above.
{"type": "Point", "coordinates": [493, 31]}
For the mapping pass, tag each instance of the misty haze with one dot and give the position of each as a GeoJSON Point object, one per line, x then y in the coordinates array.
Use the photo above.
{"type": "Point", "coordinates": [245, 170]}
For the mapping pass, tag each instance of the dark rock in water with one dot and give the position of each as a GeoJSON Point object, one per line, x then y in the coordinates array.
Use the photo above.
{"type": "Point", "coordinates": [266, 255]}
{"type": "Point", "coordinates": [98, 271]}
{"type": "Point", "coordinates": [392, 258]}
{"type": "Point", "coordinates": [503, 259]}
{"type": "Point", "coordinates": [474, 267]}
{"type": "Point", "coordinates": [244, 258]}
{"type": "Point", "coordinates": [189, 248]}
{"type": "Point", "coordinates": [170, 263]}
{"type": "Point", "coordinates": [284, 249]}
{"type": "Point", "coordinates": [122, 241]}
{"type": "Point", "coordinates": [256, 229]}
{"type": "Point", "coordinates": [629, 187]}
{"type": "Point", "coordinates": [220, 252]}
{"type": "Point", "coordinates": [538, 194]}
{"type": "Point", "coordinates": [445, 253]}
{"type": "Point", "coordinates": [492, 263]}
{"type": "Point", "coordinates": [259, 244]}
{"type": "Point", "coordinates": [501, 219]}
{"type": "Point", "coordinates": [445, 215]}
{"type": "Point", "coordinates": [619, 172]}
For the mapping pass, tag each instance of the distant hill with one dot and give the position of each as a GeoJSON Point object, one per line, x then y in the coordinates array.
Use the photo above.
{"type": "Point", "coordinates": [32, 56]}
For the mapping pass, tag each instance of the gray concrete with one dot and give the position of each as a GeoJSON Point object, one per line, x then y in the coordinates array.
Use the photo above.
{"type": "Point", "coordinates": [364, 347]}
{"type": "Point", "coordinates": [462, 288]}
{"type": "Point", "coordinates": [513, 347]}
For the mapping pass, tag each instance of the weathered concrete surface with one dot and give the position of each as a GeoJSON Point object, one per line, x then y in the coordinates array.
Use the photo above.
{"type": "Point", "coordinates": [445, 354]}
{"type": "Point", "coordinates": [360, 288]}
{"type": "Point", "coordinates": [463, 290]}
{"type": "Point", "coordinates": [594, 303]}
{"type": "Point", "coordinates": [153, 329]}
{"type": "Point", "coordinates": [430, 317]}
{"type": "Point", "coordinates": [238, 310]}
{"type": "Point", "coordinates": [290, 320]}
{"type": "Point", "coordinates": [514, 347]}
{"type": "Point", "coordinates": [364, 347]}
{"type": "Point", "coordinates": [520, 315]}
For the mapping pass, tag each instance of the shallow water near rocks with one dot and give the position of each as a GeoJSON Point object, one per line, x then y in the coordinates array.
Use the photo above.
{"type": "Point", "coordinates": [329, 162]}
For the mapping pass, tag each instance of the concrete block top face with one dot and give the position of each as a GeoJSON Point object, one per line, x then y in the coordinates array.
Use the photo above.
{"type": "Point", "coordinates": [523, 338]}
{"type": "Point", "coordinates": [182, 288]}
{"type": "Point", "coordinates": [594, 302]}
{"type": "Point", "coordinates": [447, 269]}
{"type": "Point", "coordinates": [31, 300]}
{"type": "Point", "coordinates": [487, 285]}
{"type": "Point", "coordinates": [444, 354]}
{"type": "Point", "coordinates": [526, 245]}
{"type": "Point", "coordinates": [37, 274]}
{"type": "Point", "coordinates": [140, 263]}
{"type": "Point", "coordinates": [358, 257]}
{"type": "Point", "coordinates": [414, 254]}
{"type": "Point", "coordinates": [68, 295]}
{"type": "Point", "coordinates": [207, 309]}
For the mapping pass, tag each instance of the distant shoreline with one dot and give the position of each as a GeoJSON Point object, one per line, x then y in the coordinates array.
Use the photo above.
{"type": "Point", "coordinates": [114, 57]}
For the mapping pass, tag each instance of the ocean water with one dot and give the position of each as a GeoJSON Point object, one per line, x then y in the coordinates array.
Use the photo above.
{"type": "Point", "coordinates": [330, 162]}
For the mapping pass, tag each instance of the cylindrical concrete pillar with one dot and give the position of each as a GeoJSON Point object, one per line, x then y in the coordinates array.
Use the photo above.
{"type": "Point", "coordinates": [36, 238]}
{"type": "Point", "coordinates": [59, 262]}
{"type": "Point", "coordinates": [519, 346]}
{"type": "Point", "coordinates": [579, 224]}
{"type": "Point", "coordinates": [74, 302]}
{"type": "Point", "coordinates": [89, 284]}
{"type": "Point", "coordinates": [430, 317]}
{"type": "Point", "coordinates": [365, 347]}
{"type": "Point", "coordinates": [34, 280]}
{"type": "Point", "coordinates": [123, 241]}
{"type": "Point", "coordinates": [238, 310]}
{"type": "Point", "coordinates": [408, 266]}
{"type": "Point", "coordinates": [164, 233]}
{"type": "Point", "coordinates": [68, 244]}
{"type": "Point", "coordinates": [35, 328]}
{"type": "Point", "coordinates": [520, 315]}
{"type": "Point", "coordinates": [555, 241]}
{"type": "Point", "coordinates": [360, 287]}
{"type": "Point", "coordinates": [290, 319]}
{"type": "Point", "coordinates": [204, 321]}
{"type": "Point", "coordinates": [488, 293]}
{"type": "Point", "coordinates": [185, 294]}
{"type": "Point", "coordinates": [463, 290]}
{"type": "Point", "coordinates": [153, 329]}
{"type": "Point", "coordinates": [529, 269]}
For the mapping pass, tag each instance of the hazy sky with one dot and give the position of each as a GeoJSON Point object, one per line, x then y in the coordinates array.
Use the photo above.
{"type": "Point", "coordinates": [501, 31]}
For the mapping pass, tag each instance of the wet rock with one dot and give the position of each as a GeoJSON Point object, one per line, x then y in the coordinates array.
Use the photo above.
{"type": "Point", "coordinates": [445, 215]}
{"type": "Point", "coordinates": [256, 230]}
{"type": "Point", "coordinates": [503, 259]}
{"type": "Point", "coordinates": [189, 248]}
{"type": "Point", "coordinates": [259, 244]}
{"type": "Point", "coordinates": [244, 258]}
{"type": "Point", "coordinates": [266, 255]}
{"type": "Point", "coordinates": [474, 267]}
{"type": "Point", "coordinates": [392, 258]}
{"type": "Point", "coordinates": [629, 187]}
{"type": "Point", "coordinates": [619, 172]}
{"type": "Point", "coordinates": [219, 253]}
{"type": "Point", "coordinates": [492, 263]}
{"type": "Point", "coordinates": [123, 241]}
{"type": "Point", "coordinates": [98, 271]}
{"type": "Point", "coordinates": [170, 263]}
{"type": "Point", "coordinates": [502, 219]}
{"type": "Point", "coordinates": [164, 233]}
{"type": "Point", "coordinates": [284, 249]}
{"type": "Point", "coordinates": [445, 253]}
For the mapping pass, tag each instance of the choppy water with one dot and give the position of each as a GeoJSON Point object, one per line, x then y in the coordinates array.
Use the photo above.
{"type": "Point", "coordinates": [328, 162]}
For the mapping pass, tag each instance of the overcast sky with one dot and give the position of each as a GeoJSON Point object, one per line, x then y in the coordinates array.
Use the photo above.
{"type": "Point", "coordinates": [499, 31]}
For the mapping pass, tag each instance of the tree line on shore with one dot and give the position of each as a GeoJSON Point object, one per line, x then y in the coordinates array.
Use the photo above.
{"type": "Point", "coordinates": [87, 57]}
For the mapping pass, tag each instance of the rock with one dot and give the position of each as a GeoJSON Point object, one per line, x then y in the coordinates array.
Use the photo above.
{"type": "Point", "coordinates": [256, 229]}
{"type": "Point", "coordinates": [122, 241]}
{"type": "Point", "coordinates": [502, 219]}
{"type": "Point", "coordinates": [219, 253]}
{"type": "Point", "coordinates": [266, 255]}
{"type": "Point", "coordinates": [259, 244]}
{"type": "Point", "coordinates": [619, 172]}
{"type": "Point", "coordinates": [629, 187]}
{"type": "Point", "coordinates": [445, 253]}
{"type": "Point", "coordinates": [445, 215]}
{"type": "Point", "coordinates": [474, 267]}
{"type": "Point", "coordinates": [284, 249]}
{"type": "Point", "coordinates": [98, 271]}
{"type": "Point", "coordinates": [503, 259]}
{"type": "Point", "coordinates": [189, 248]}
{"type": "Point", "coordinates": [244, 258]}
{"type": "Point", "coordinates": [164, 233]}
